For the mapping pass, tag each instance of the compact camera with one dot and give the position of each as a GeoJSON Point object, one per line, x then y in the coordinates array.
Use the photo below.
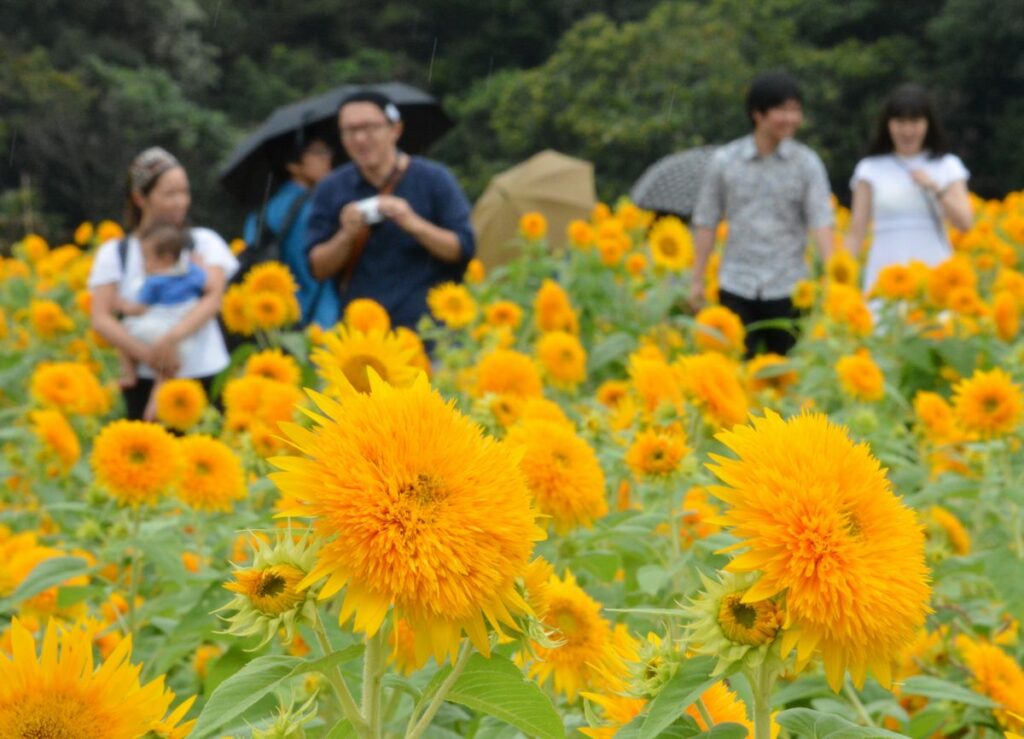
{"type": "Point", "coordinates": [370, 209]}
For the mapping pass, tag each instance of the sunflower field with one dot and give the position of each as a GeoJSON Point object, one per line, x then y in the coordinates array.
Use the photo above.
{"type": "Point", "coordinates": [582, 513]}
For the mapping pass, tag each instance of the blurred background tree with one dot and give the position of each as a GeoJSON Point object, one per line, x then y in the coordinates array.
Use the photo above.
{"type": "Point", "coordinates": [85, 86]}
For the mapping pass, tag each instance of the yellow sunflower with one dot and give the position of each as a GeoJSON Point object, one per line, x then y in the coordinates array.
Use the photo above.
{"type": "Point", "coordinates": [70, 387]}
{"type": "Point", "coordinates": [563, 358]}
{"type": "Point", "coordinates": [503, 313]}
{"type": "Point", "coordinates": [935, 417]}
{"type": "Point", "coordinates": [997, 675]}
{"type": "Point", "coordinates": [233, 311]}
{"type": "Point", "coordinates": [507, 372]}
{"type": "Point", "coordinates": [84, 233]}
{"type": "Point", "coordinates": [656, 453]}
{"type": "Point", "coordinates": [896, 282]}
{"type": "Point", "coordinates": [274, 364]}
{"type": "Point", "coordinates": [723, 707]}
{"type": "Point", "coordinates": [656, 383]}
{"type": "Point", "coordinates": [953, 273]}
{"type": "Point", "coordinates": [719, 329]}
{"type": "Point", "coordinates": [580, 234]}
{"type": "Point", "coordinates": [61, 693]}
{"type": "Point", "coordinates": [951, 529]}
{"type": "Point", "coordinates": [108, 230]}
{"type": "Point", "coordinates": [271, 277]}
{"type": "Point", "coordinates": [842, 268]}
{"type": "Point", "coordinates": [180, 403]}
{"type": "Point", "coordinates": [476, 272]}
{"type": "Point", "coordinates": [845, 305]}
{"type": "Point", "coordinates": [711, 381]}
{"type": "Point", "coordinates": [266, 310]}
{"type": "Point", "coordinates": [592, 655]}
{"type": "Point", "coordinates": [212, 477]}
{"type": "Point", "coordinates": [988, 403]}
{"type": "Point", "coordinates": [48, 319]}
{"type": "Point", "coordinates": [434, 518]}
{"type": "Point", "coordinates": [135, 461]}
{"type": "Point", "coordinates": [364, 314]}
{"type": "Point", "coordinates": [452, 304]}
{"type": "Point", "coordinates": [345, 357]}
{"type": "Point", "coordinates": [562, 471]}
{"type": "Point", "coordinates": [1006, 315]}
{"type": "Point", "coordinates": [671, 244]}
{"type": "Point", "coordinates": [805, 293]}
{"type": "Point", "coordinates": [819, 522]}
{"type": "Point", "coordinates": [54, 431]}
{"type": "Point", "coordinates": [552, 309]}
{"type": "Point", "coordinates": [612, 392]}
{"type": "Point", "coordinates": [253, 401]}
{"type": "Point", "coordinates": [533, 226]}
{"type": "Point", "coordinates": [770, 372]}
{"type": "Point", "coordinates": [860, 377]}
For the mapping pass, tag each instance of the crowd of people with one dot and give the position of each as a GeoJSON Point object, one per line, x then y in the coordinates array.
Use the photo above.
{"type": "Point", "coordinates": [389, 226]}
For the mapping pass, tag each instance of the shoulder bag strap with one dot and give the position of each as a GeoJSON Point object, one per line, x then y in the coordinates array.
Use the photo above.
{"type": "Point", "coordinates": [359, 243]}
{"type": "Point", "coordinates": [934, 209]}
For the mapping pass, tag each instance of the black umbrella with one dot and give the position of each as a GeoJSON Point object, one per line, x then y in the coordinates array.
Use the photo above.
{"type": "Point", "coordinates": [672, 183]}
{"type": "Point", "coordinates": [255, 167]}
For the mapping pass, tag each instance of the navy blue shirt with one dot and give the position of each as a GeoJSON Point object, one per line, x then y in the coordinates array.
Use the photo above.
{"type": "Point", "coordinates": [395, 269]}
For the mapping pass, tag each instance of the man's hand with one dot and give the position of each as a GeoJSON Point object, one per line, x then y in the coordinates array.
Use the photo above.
{"type": "Point", "coordinates": [697, 293]}
{"type": "Point", "coordinates": [351, 218]}
{"type": "Point", "coordinates": [398, 210]}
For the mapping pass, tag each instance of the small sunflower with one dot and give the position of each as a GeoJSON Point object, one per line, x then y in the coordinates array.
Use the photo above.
{"type": "Point", "coordinates": [364, 314]}
{"type": "Point", "coordinates": [563, 358]}
{"type": "Point", "coordinates": [1006, 309]}
{"type": "Point", "coordinates": [719, 329]}
{"type": "Point", "coordinates": [997, 675]}
{"type": "Point", "coordinates": [954, 273]}
{"type": "Point", "coordinates": [135, 461]}
{"type": "Point", "coordinates": [54, 431]}
{"type": "Point", "coordinates": [180, 403]}
{"type": "Point", "coordinates": [507, 372]}
{"type": "Point", "coordinates": [452, 304]}
{"type": "Point", "coordinates": [988, 403]}
{"type": "Point", "coordinates": [60, 693]}
{"type": "Point", "coordinates": [562, 471]}
{"type": "Point", "coordinates": [770, 372]}
{"type": "Point", "coordinates": [533, 226]}
{"type": "Point", "coordinates": [70, 387]}
{"type": "Point", "coordinates": [552, 309]}
{"type": "Point", "coordinates": [820, 523]}
{"type": "Point", "coordinates": [580, 234]}
{"type": "Point", "coordinates": [896, 282]}
{"type": "Point", "coordinates": [48, 319]}
{"type": "Point", "coordinates": [252, 400]}
{"type": "Point", "coordinates": [942, 523]}
{"type": "Point", "coordinates": [591, 654]}
{"type": "Point", "coordinates": [233, 311]}
{"type": "Point", "coordinates": [845, 306]}
{"type": "Point", "coordinates": [804, 294]}
{"type": "Point", "coordinates": [935, 417]}
{"type": "Point", "coordinates": [346, 356]}
{"type": "Point", "coordinates": [671, 244]}
{"type": "Point", "coordinates": [269, 595]}
{"type": "Point", "coordinates": [266, 310]}
{"type": "Point", "coordinates": [656, 453]}
{"type": "Point", "coordinates": [503, 313]}
{"type": "Point", "coordinates": [271, 277]}
{"type": "Point", "coordinates": [712, 381]}
{"type": "Point", "coordinates": [860, 377]}
{"type": "Point", "coordinates": [419, 511]}
{"type": "Point", "coordinates": [656, 383]}
{"type": "Point", "coordinates": [212, 477]}
{"type": "Point", "coordinates": [274, 364]}
{"type": "Point", "coordinates": [841, 268]}
{"type": "Point", "coordinates": [476, 272]}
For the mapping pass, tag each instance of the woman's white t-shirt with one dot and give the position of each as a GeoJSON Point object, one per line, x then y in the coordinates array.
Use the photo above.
{"type": "Point", "coordinates": [206, 354]}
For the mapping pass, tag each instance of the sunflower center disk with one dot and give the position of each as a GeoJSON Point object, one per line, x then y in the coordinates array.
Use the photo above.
{"type": "Point", "coordinates": [50, 716]}
{"type": "Point", "coordinates": [749, 623]}
{"type": "Point", "coordinates": [355, 371]}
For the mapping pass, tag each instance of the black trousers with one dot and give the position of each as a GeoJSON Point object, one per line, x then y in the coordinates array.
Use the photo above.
{"type": "Point", "coordinates": [764, 339]}
{"type": "Point", "coordinates": [136, 397]}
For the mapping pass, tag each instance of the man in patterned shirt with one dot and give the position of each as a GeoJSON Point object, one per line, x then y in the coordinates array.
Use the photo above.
{"type": "Point", "coordinates": [772, 190]}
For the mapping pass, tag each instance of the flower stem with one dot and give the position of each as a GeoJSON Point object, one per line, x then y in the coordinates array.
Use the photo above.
{"type": "Point", "coordinates": [703, 711]}
{"type": "Point", "coordinates": [135, 572]}
{"type": "Point", "coordinates": [865, 717]}
{"type": "Point", "coordinates": [337, 680]}
{"type": "Point", "coordinates": [442, 692]}
{"type": "Point", "coordinates": [373, 670]}
{"type": "Point", "coordinates": [762, 684]}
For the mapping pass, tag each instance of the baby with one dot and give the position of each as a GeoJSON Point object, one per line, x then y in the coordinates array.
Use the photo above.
{"type": "Point", "coordinates": [168, 293]}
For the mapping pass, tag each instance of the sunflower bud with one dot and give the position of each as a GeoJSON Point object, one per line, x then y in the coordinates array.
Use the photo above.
{"type": "Point", "coordinates": [269, 596]}
{"type": "Point", "coordinates": [289, 722]}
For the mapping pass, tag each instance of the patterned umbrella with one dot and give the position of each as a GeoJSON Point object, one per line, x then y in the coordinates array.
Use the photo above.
{"type": "Point", "coordinates": [672, 183]}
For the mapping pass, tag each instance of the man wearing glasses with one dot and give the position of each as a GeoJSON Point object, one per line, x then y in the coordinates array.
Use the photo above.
{"type": "Point", "coordinates": [387, 226]}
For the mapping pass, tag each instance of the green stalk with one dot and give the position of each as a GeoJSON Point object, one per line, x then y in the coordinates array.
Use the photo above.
{"type": "Point", "coordinates": [135, 572]}
{"type": "Point", "coordinates": [373, 670]}
{"type": "Point", "coordinates": [762, 684]}
{"type": "Point", "coordinates": [348, 704]}
{"type": "Point", "coordinates": [865, 717]}
{"type": "Point", "coordinates": [442, 692]}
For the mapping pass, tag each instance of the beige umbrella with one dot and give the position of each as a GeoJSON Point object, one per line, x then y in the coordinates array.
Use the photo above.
{"type": "Point", "coordinates": [558, 186]}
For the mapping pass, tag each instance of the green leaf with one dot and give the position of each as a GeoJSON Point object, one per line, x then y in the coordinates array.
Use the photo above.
{"type": "Point", "coordinates": [616, 346]}
{"type": "Point", "coordinates": [342, 730]}
{"type": "Point", "coordinates": [651, 578]}
{"type": "Point", "coordinates": [936, 689]}
{"type": "Point", "coordinates": [808, 724]}
{"type": "Point", "coordinates": [257, 679]}
{"type": "Point", "coordinates": [497, 688]}
{"type": "Point", "coordinates": [45, 575]}
{"type": "Point", "coordinates": [692, 679]}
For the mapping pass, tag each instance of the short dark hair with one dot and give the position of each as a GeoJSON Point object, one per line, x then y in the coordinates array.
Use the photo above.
{"type": "Point", "coordinates": [908, 101]}
{"type": "Point", "coordinates": [382, 101]}
{"type": "Point", "coordinates": [770, 90]}
{"type": "Point", "coordinates": [299, 142]}
{"type": "Point", "coordinates": [168, 241]}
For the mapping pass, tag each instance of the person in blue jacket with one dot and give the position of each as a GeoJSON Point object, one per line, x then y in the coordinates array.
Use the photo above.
{"type": "Point", "coordinates": [309, 163]}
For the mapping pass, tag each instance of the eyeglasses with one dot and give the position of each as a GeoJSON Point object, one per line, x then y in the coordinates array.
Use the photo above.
{"type": "Point", "coordinates": [349, 132]}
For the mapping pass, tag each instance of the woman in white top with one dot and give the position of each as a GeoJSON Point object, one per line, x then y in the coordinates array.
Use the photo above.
{"type": "Point", "coordinates": [908, 187]}
{"type": "Point", "coordinates": [158, 191]}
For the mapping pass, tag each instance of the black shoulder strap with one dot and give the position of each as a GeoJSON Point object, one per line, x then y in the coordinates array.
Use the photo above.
{"type": "Point", "coordinates": [292, 216]}
{"type": "Point", "coordinates": [122, 253]}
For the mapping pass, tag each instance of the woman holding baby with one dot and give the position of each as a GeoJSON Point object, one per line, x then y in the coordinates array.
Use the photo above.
{"type": "Point", "coordinates": [178, 306]}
